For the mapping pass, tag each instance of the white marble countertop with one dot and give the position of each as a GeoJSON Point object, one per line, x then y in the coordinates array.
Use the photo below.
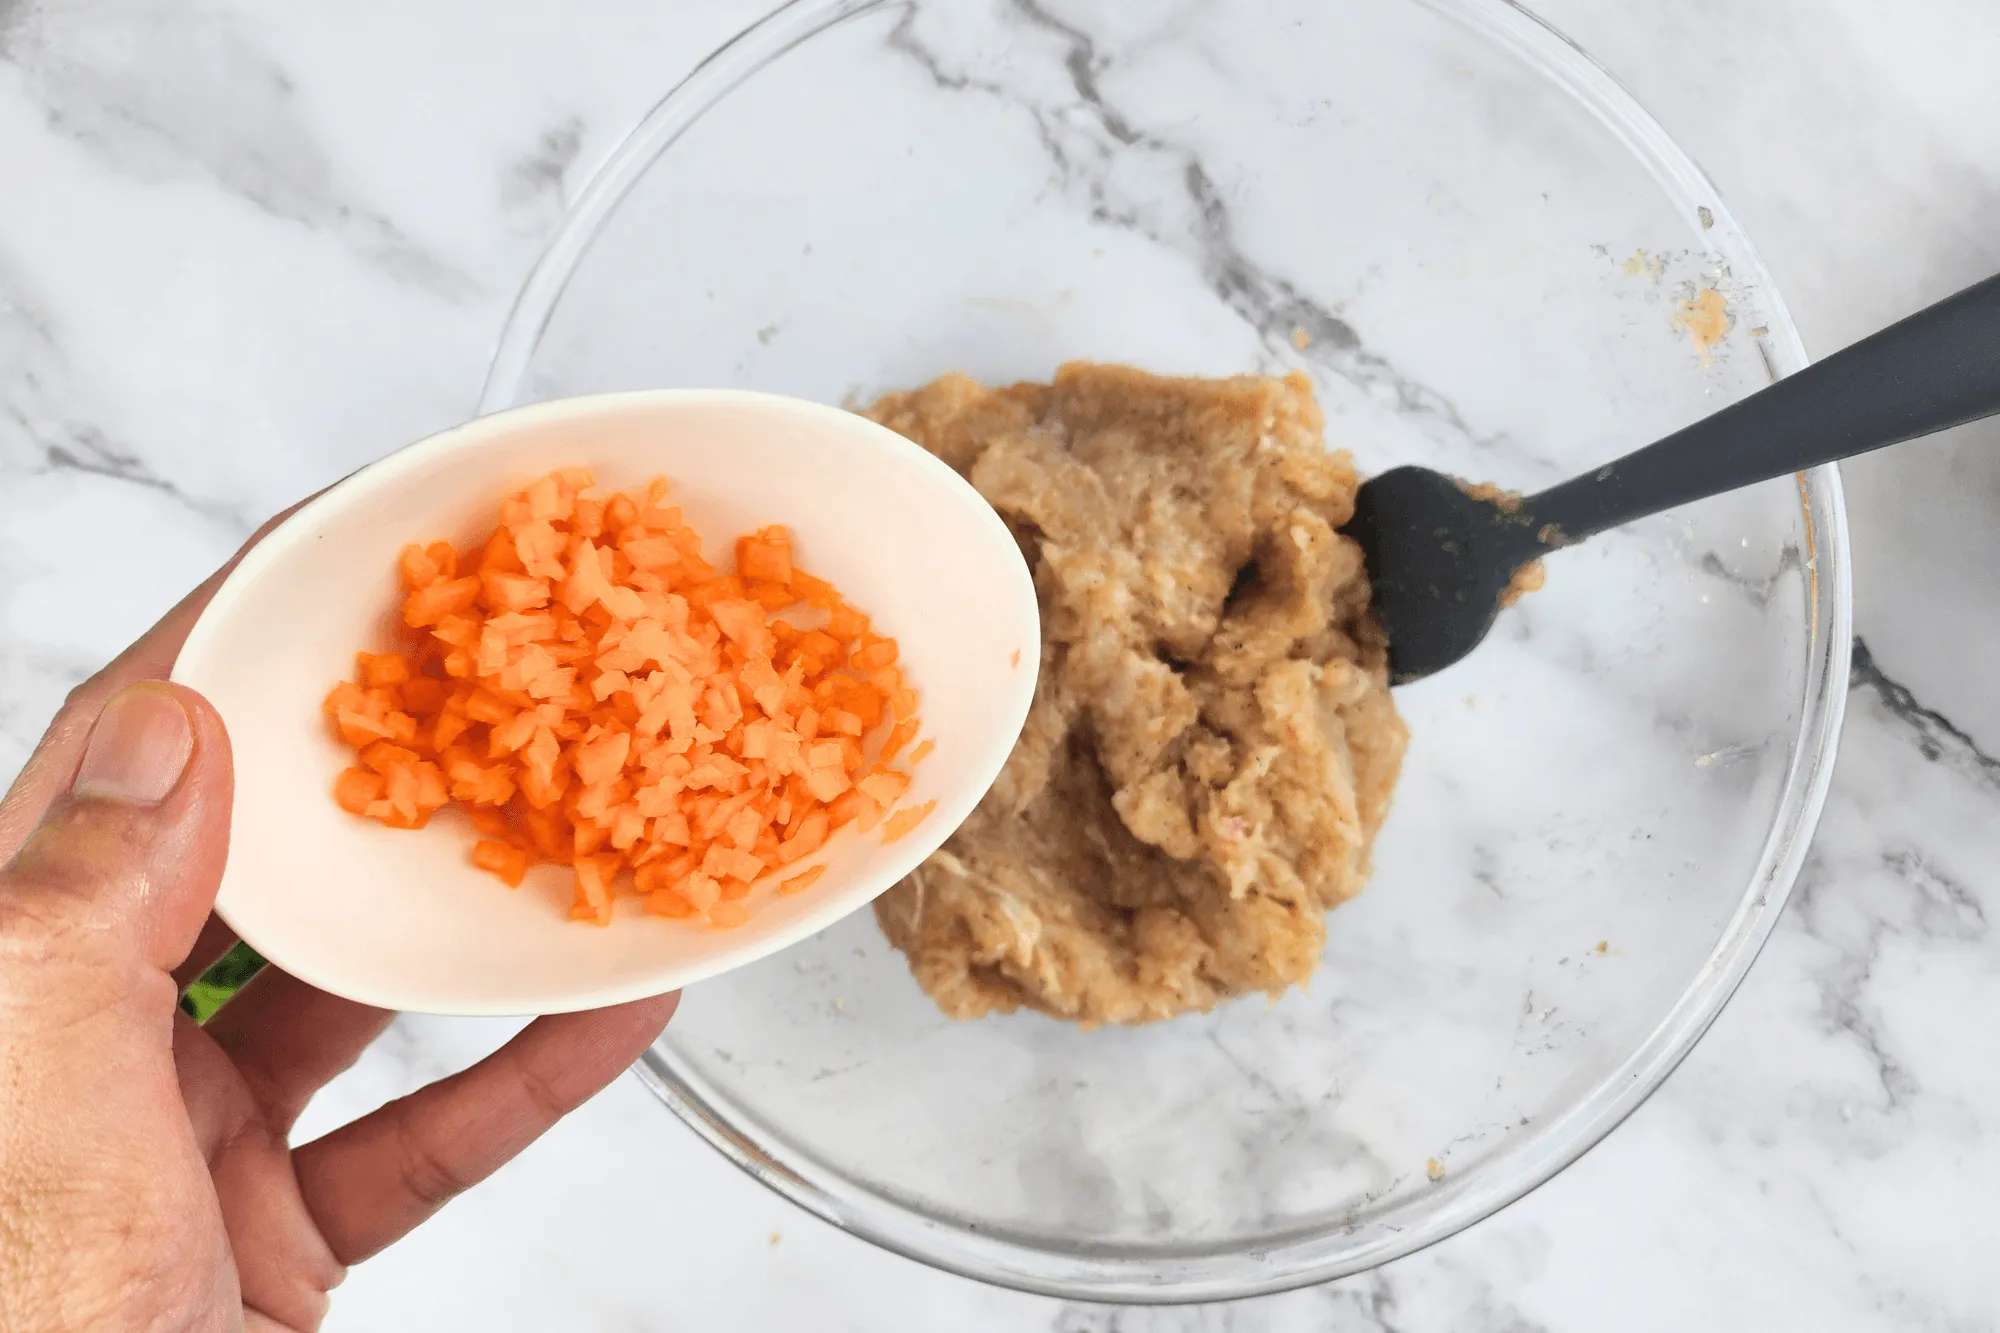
{"type": "Point", "coordinates": [245, 247]}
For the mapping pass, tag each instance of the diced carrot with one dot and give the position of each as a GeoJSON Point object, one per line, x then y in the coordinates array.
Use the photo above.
{"type": "Point", "coordinates": [665, 902]}
{"type": "Point", "coordinates": [593, 891]}
{"type": "Point", "coordinates": [701, 891]}
{"type": "Point", "coordinates": [725, 863]}
{"type": "Point", "coordinates": [486, 706]}
{"type": "Point", "coordinates": [899, 736]}
{"type": "Point", "coordinates": [811, 836]}
{"type": "Point", "coordinates": [922, 752]}
{"type": "Point", "coordinates": [423, 696]}
{"type": "Point", "coordinates": [588, 689]}
{"type": "Point", "coordinates": [742, 622]}
{"type": "Point", "coordinates": [510, 735]}
{"type": "Point", "coordinates": [499, 555]}
{"type": "Point", "coordinates": [509, 863]}
{"type": "Point", "coordinates": [886, 787]}
{"type": "Point", "coordinates": [847, 808]}
{"type": "Point", "coordinates": [874, 654]}
{"type": "Point", "coordinates": [429, 605]}
{"type": "Point", "coordinates": [549, 831]}
{"type": "Point", "coordinates": [377, 669]}
{"type": "Point", "coordinates": [513, 592]}
{"type": "Point", "coordinates": [650, 553]}
{"type": "Point", "coordinates": [869, 813]}
{"type": "Point", "coordinates": [604, 758]}
{"type": "Point", "coordinates": [826, 784]}
{"type": "Point", "coordinates": [802, 881]}
{"type": "Point", "coordinates": [385, 756]}
{"type": "Point", "coordinates": [627, 827]}
{"type": "Point", "coordinates": [417, 568]}
{"type": "Point", "coordinates": [816, 592]}
{"type": "Point", "coordinates": [845, 623]}
{"type": "Point", "coordinates": [767, 556]}
{"type": "Point", "coordinates": [450, 726]}
{"type": "Point", "coordinates": [492, 823]}
{"type": "Point", "coordinates": [487, 786]}
{"type": "Point", "coordinates": [356, 789]}
{"type": "Point", "coordinates": [772, 597]}
{"type": "Point", "coordinates": [904, 820]}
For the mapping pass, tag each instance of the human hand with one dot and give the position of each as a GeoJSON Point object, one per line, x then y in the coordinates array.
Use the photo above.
{"type": "Point", "coordinates": [146, 1179]}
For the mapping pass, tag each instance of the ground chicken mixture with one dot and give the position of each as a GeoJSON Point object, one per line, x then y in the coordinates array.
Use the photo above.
{"type": "Point", "coordinates": [1212, 743]}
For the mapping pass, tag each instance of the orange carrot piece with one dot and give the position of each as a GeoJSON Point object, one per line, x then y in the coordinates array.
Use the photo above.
{"type": "Point", "coordinates": [491, 823]}
{"type": "Point", "coordinates": [590, 691]}
{"type": "Point", "coordinates": [416, 568]}
{"type": "Point", "coordinates": [423, 696]}
{"type": "Point", "coordinates": [429, 605]}
{"type": "Point", "coordinates": [767, 556]}
{"type": "Point", "coordinates": [814, 591]}
{"type": "Point", "coordinates": [874, 654]}
{"type": "Point", "coordinates": [885, 787]}
{"type": "Point", "coordinates": [509, 863]}
{"type": "Point", "coordinates": [899, 736]}
{"type": "Point", "coordinates": [802, 881]}
{"type": "Point", "coordinates": [701, 892]}
{"type": "Point", "coordinates": [593, 891]}
{"type": "Point", "coordinates": [665, 902]}
{"type": "Point", "coordinates": [356, 789]}
{"type": "Point", "coordinates": [904, 820]}
{"type": "Point", "coordinates": [845, 623]}
{"type": "Point", "coordinates": [377, 669]}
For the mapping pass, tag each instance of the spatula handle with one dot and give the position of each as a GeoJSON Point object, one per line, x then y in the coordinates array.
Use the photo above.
{"type": "Point", "coordinates": [1938, 368]}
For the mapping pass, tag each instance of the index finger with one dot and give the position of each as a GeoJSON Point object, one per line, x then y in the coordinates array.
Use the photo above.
{"type": "Point", "coordinates": [369, 1182]}
{"type": "Point", "coordinates": [52, 765]}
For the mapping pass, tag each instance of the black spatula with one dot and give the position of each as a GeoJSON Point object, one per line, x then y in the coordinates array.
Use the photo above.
{"type": "Point", "coordinates": [1440, 559]}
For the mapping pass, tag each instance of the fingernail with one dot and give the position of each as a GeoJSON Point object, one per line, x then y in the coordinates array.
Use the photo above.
{"type": "Point", "coordinates": [138, 749]}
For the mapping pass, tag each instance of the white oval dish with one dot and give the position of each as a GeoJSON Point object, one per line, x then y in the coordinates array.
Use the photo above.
{"type": "Point", "coordinates": [402, 919]}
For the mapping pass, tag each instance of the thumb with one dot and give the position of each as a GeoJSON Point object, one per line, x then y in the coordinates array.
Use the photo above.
{"type": "Point", "coordinates": [126, 862]}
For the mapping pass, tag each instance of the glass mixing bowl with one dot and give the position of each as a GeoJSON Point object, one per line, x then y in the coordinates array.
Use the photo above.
{"type": "Point", "coordinates": [1490, 261]}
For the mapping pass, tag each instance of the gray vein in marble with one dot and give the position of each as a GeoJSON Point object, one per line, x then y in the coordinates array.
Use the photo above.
{"type": "Point", "coordinates": [539, 177]}
{"type": "Point", "coordinates": [158, 95]}
{"type": "Point", "coordinates": [1927, 901]}
{"type": "Point", "coordinates": [1759, 590]}
{"type": "Point", "coordinates": [46, 435]}
{"type": "Point", "coordinates": [1082, 138]}
{"type": "Point", "coordinates": [12, 15]}
{"type": "Point", "coordinates": [1936, 736]}
{"type": "Point", "coordinates": [1370, 1299]}
{"type": "Point", "coordinates": [1842, 985]}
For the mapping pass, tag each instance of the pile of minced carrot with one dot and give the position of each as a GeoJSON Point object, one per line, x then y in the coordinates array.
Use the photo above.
{"type": "Point", "coordinates": [594, 694]}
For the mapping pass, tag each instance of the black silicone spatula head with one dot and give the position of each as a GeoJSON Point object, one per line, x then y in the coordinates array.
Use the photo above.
{"type": "Point", "coordinates": [1440, 558]}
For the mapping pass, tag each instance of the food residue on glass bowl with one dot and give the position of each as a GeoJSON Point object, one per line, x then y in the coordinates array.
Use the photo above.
{"type": "Point", "coordinates": [594, 694]}
{"type": "Point", "coordinates": [1705, 318]}
{"type": "Point", "coordinates": [1212, 743]}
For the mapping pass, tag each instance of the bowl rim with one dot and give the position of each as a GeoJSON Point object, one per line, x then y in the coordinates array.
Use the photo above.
{"type": "Point", "coordinates": [1136, 1274]}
